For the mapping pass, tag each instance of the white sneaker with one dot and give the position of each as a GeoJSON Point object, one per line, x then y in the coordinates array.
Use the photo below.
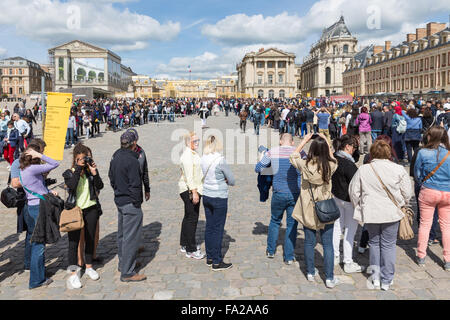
{"type": "Point", "coordinates": [197, 255]}
{"type": "Point", "coordinates": [361, 250]}
{"type": "Point", "coordinates": [92, 274]}
{"type": "Point", "coordinates": [352, 267]}
{"type": "Point", "coordinates": [386, 286]}
{"type": "Point", "coordinates": [73, 282]}
{"type": "Point", "coordinates": [183, 249]}
{"type": "Point", "coordinates": [373, 284]}
{"type": "Point", "coordinates": [332, 283]}
{"type": "Point", "coordinates": [311, 277]}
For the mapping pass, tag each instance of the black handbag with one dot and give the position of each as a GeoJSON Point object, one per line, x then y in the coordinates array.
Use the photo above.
{"type": "Point", "coordinates": [12, 198]}
{"type": "Point", "coordinates": [326, 210]}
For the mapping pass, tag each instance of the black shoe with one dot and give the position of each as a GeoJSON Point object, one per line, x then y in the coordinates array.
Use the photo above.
{"type": "Point", "coordinates": [221, 266]}
{"type": "Point", "coordinates": [97, 260]}
{"type": "Point", "coordinates": [209, 262]}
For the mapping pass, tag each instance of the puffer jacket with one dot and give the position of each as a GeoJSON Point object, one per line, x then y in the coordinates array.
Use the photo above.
{"type": "Point", "coordinates": [46, 229]}
{"type": "Point", "coordinates": [364, 121]}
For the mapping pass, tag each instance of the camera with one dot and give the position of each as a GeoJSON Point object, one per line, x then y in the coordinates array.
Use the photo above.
{"type": "Point", "coordinates": [88, 161]}
{"type": "Point", "coordinates": [49, 182]}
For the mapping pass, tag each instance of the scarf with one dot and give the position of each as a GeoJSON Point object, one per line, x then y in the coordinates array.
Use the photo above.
{"type": "Point", "coordinates": [343, 154]}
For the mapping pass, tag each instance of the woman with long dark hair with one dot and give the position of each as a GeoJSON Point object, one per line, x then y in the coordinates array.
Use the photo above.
{"type": "Point", "coordinates": [84, 184]}
{"type": "Point", "coordinates": [317, 170]}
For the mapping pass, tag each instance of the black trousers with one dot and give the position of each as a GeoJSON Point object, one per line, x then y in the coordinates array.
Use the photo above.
{"type": "Point", "coordinates": [90, 216]}
{"type": "Point", "coordinates": [243, 124]}
{"type": "Point", "coordinates": [189, 224]}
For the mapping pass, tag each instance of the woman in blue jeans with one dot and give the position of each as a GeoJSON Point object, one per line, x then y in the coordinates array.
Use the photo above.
{"type": "Point", "coordinates": [217, 178]}
{"type": "Point", "coordinates": [317, 170]}
{"type": "Point", "coordinates": [32, 174]}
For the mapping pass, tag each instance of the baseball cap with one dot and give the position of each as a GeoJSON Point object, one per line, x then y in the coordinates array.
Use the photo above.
{"type": "Point", "coordinates": [135, 133]}
{"type": "Point", "coordinates": [127, 138]}
{"type": "Point", "coordinates": [447, 106]}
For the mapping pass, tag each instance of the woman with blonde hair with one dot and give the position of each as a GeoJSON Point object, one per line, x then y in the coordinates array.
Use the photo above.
{"type": "Point", "coordinates": [190, 186]}
{"type": "Point", "coordinates": [217, 178]}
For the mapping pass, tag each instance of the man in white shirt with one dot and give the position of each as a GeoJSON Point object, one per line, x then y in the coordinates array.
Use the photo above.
{"type": "Point", "coordinates": [24, 129]}
{"type": "Point", "coordinates": [284, 113]}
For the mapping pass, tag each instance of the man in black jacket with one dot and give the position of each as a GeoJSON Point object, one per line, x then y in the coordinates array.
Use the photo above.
{"type": "Point", "coordinates": [126, 181]}
{"type": "Point", "coordinates": [377, 122]}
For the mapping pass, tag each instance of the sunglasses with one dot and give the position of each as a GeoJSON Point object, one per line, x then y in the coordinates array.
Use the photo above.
{"type": "Point", "coordinates": [196, 141]}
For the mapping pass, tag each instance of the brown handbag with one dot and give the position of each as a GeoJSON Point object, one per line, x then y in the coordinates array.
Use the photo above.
{"type": "Point", "coordinates": [405, 231]}
{"type": "Point", "coordinates": [71, 220]}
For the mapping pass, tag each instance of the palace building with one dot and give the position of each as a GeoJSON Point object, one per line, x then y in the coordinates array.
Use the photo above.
{"type": "Point", "coordinates": [418, 66]}
{"type": "Point", "coordinates": [267, 74]}
{"type": "Point", "coordinates": [321, 71]}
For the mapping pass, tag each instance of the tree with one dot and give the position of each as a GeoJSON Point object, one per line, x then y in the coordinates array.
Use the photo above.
{"type": "Point", "coordinates": [92, 75]}
{"type": "Point", "coordinates": [101, 76]}
{"type": "Point", "coordinates": [81, 74]}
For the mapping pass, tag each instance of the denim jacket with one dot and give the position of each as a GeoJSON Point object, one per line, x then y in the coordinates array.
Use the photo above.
{"type": "Point", "coordinates": [426, 162]}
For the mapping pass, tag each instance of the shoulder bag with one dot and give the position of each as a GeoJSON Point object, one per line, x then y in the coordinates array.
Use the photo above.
{"type": "Point", "coordinates": [326, 210]}
{"type": "Point", "coordinates": [405, 231]}
{"type": "Point", "coordinates": [11, 198]}
{"type": "Point", "coordinates": [437, 168]}
{"type": "Point", "coordinates": [71, 218]}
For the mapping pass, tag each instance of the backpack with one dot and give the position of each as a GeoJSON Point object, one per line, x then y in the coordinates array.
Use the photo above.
{"type": "Point", "coordinates": [290, 117]}
{"type": "Point", "coordinates": [401, 127]}
{"type": "Point", "coordinates": [353, 122]}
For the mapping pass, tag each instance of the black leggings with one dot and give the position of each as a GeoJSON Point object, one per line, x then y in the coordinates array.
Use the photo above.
{"type": "Point", "coordinates": [189, 224]}
{"type": "Point", "coordinates": [90, 216]}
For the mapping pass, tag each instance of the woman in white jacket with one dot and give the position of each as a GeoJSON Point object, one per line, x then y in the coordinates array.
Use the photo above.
{"type": "Point", "coordinates": [377, 211]}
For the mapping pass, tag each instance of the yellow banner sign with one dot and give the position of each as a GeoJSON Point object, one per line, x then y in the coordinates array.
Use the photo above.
{"type": "Point", "coordinates": [56, 121]}
{"type": "Point", "coordinates": [352, 94]}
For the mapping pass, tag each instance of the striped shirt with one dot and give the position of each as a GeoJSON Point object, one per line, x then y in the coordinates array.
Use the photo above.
{"type": "Point", "coordinates": [286, 179]}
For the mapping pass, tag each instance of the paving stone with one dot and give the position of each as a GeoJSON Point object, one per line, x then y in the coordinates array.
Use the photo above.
{"type": "Point", "coordinates": [250, 291]}
{"type": "Point", "coordinates": [163, 295]}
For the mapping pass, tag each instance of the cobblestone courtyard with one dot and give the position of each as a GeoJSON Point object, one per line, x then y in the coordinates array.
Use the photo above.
{"type": "Point", "coordinates": [170, 274]}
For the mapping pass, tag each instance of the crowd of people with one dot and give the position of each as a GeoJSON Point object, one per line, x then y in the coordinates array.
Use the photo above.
{"type": "Point", "coordinates": [320, 172]}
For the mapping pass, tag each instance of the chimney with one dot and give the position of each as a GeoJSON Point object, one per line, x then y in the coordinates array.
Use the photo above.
{"type": "Point", "coordinates": [421, 33]}
{"type": "Point", "coordinates": [377, 49]}
{"type": "Point", "coordinates": [410, 37]}
{"type": "Point", "coordinates": [261, 50]}
{"type": "Point", "coordinates": [434, 27]}
{"type": "Point", "coordinates": [387, 45]}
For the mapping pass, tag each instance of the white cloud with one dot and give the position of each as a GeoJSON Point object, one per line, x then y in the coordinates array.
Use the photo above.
{"type": "Point", "coordinates": [3, 52]}
{"type": "Point", "coordinates": [241, 29]}
{"type": "Point", "coordinates": [54, 22]}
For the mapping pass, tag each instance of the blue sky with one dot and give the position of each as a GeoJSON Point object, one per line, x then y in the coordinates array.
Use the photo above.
{"type": "Point", "coordinates": [161, 38]}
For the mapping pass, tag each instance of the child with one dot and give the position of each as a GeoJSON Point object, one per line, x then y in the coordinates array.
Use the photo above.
{"type": "Point", "coordinates": [12, 139]}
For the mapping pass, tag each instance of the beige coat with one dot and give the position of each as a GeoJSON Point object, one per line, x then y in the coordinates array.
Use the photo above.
{"type": "Point", "coordinates": [304, 208]}
{"type": "Point", "coordinates": [371, 202]}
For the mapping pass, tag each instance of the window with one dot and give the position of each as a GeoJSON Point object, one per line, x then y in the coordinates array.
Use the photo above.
{"type": "Point", "coordinates": [282, 94]}
{"type": "Point", "coordinates": [20, 90]}
{"type": "Point", "coordinates": [259, 79]}
{"type": "Point", "coordinates": [260, 64]}
{"type": "Point", "coordinates": [334, 49]}
{"type": "Point", "coordinates": [270, 79]}
{"type": "Point", "coordinates": [281, 64]}
{"type": "Point", "coordinates": [345, 48]}
{"type": "Point", "coordinates": [61, 69]}
{"type": "Point", "coordinates": [10, 71]}
{"type": "Point", "coordinates": [432, 63]}
{"type": "Point", "coordinates": [444, 59]}
{"type": "Point", "coordinates": [280, 78]}
{"type": "Point", "coordinates": [328, 75]}
{"type": "Point", "coordinates": [10, 90]}
{"type": "Point", "coordinates": [421, 64]}
{"type": "Point", "coordinates": [260, 94]}
{"type": "Point", "coordinates": [427, 63]}
{"type": "Point", "coordinates": [270, 64]}
{"type": "Point", "coordinates": [271, 94]}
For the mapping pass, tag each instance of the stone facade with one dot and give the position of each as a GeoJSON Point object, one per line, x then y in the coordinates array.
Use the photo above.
{"type": "Point", "coordinates": [353, 76]}
{"type": "Point", "coordinates": [322, 70]}
{"type": "Point", "coordinates": [268, 74]}
{"type": "Point", "coordinates": [20, 77]}
{"type": "Point", "coordinates": [144, 87]}
{"type": "Point", "coordinates": [419, 65]}
{"type": "Point", "coordinates": [77, 64]}
{"type": "Point", "coordinates": [227, 86]}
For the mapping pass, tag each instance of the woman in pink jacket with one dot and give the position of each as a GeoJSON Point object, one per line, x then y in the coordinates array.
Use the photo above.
{"type": "Point", "coordinates": [365, 131]}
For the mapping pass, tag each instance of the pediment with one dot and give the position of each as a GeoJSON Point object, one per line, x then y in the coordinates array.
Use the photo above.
{"type": "Point", "coordinates": [79, 46]}
{"type": "Point", "coordinates": [272, 53]}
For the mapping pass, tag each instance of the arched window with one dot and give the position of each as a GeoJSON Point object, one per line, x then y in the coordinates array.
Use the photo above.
{"type": "Point", "coordinates": [260, 94]}
{"type": "Point", "coordinates": [328, 75]}
{"type": "Point", "coordinates": [271, 94]}
{"type": "Point", "coordinates": [345, 48]}
{"type": "Point", "coordinates": [282, 94]}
